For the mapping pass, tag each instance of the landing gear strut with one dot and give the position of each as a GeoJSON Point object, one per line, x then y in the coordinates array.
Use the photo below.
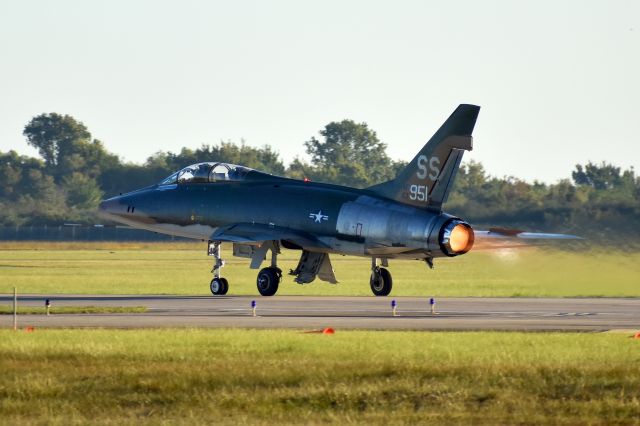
{"type": "Point", "coordinates": [381, 281]}
{"type": "Point", "coordinates": [269, 278]}
{"type": "Point", "coordinates": [219, 286]}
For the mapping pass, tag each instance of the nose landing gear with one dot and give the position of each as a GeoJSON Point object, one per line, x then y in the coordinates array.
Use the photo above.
{"type": "Point", "coordinates": [218, 286]}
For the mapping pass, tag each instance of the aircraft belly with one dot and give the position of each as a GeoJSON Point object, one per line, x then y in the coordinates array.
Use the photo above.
{"type": "Point", "coordinates": [196, 231]}
{"type": "Point", "coordinates": [340, 246]}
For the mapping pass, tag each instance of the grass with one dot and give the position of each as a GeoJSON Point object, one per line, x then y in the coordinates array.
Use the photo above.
{"type": "Point", "coordinates": [286, 377]}
{"type": "Point", "coordinates": [37, 310]}
{"type": "Point", "coordinates": [184, 268]}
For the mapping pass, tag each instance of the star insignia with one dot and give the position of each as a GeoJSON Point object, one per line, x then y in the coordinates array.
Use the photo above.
{"type": "Point", "coordinates": [318, 217]}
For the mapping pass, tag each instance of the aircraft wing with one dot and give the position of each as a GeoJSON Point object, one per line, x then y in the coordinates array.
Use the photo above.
{"type": "Point", "coordinates": [510, 238]}
{"type": "Point", "coordinates": [250, 233]}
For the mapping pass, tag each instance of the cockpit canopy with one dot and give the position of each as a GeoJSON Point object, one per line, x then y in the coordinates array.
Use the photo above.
{"type": "Point", "coordinates": [207, 173]}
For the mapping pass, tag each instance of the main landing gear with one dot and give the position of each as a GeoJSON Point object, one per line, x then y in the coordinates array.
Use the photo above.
{"type": "Point", "coordinates": [269, 278]}
{"type": "Point", "coordinates": [219, 286]}
{"type": "Point", "coordinates": [381, 281]}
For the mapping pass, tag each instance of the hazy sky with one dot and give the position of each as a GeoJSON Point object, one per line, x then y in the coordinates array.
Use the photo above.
{"type": "Point", "coordinates": [558, 81]}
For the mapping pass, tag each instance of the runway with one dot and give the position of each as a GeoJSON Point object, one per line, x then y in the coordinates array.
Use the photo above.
{"type": "Point", "coordinates": [308, 313]}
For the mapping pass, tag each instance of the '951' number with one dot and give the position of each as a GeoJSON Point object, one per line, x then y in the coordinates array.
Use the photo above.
{"type": "Point", "coordinates": [418, 192]}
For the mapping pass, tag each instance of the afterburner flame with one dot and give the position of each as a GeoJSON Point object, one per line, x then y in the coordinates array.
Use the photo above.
{"type": "Point", "coordinates": [456, 237]}
{"type": "Point", "coordinates": [461, 239]}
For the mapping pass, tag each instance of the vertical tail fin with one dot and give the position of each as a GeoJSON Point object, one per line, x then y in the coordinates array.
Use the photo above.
{"type": "Point", "coordinates": [428, 178]}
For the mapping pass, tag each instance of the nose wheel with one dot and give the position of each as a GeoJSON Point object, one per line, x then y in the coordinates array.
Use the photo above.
{"type": "Point", "coordinates": [219, 286]}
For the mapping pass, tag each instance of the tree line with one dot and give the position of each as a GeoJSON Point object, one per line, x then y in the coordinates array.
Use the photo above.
{"type": "Point", "coordinates": [75, 171]}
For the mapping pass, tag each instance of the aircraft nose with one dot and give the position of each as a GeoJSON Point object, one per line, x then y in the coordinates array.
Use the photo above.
{"type": "Point", "coordinates": [107, 208]}
{"type": "Point", "coordinates": [105, 205]}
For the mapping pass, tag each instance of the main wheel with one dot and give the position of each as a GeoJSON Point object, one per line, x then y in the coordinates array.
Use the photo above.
{"type": "Point", "coordinates": [225, 286]}
{"type": "Point", "coordinates": [218, 286]}
{"type": "Point", "coordinates": [268, 280]}
{"type": "Point", "coordinates": [381, 282]}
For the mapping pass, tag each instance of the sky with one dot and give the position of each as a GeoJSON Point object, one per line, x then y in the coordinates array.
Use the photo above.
{"type": "Point", "coordinates": [558, 81]}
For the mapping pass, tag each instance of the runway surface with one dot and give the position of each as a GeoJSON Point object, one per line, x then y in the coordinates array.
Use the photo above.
{"type": "Point", "coordinates": [302, 312]}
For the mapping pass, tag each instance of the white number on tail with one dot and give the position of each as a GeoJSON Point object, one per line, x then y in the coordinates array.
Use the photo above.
{"type": "Point", "coordinates": [418, 192]}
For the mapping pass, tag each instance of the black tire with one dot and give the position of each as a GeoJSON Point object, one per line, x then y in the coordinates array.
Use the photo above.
{"type": "Point", "coordinates": [268, 280]}
{"type": "Point", "coordinates": [381, 282]}
{"type": "Point", "coordinates": [216, 286]}
{"type": "Point", "coordinates": [225, 286]}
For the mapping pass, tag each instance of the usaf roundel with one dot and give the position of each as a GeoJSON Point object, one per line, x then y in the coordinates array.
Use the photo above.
{"type": "Point", "coordinates": [318, 217]}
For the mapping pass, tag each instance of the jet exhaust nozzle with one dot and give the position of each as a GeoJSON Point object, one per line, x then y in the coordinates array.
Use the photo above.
{"type": "Point", "coordinates": [456, 237]}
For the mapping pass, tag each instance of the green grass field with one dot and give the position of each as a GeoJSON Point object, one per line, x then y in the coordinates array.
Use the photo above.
{"type": "Point", "coordinates": [184, 269]}
{"type": "Point", "coordinates": [282, 377]}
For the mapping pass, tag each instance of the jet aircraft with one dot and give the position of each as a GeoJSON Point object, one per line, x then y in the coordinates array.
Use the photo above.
{"type": "Point", "coordinates": [259, 213]}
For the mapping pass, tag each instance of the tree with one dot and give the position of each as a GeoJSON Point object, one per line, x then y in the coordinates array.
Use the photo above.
{"type": "Point", "coordinates": [603, 176]}
{"type": "Point", "coordinates": [55, 136]}
{"type": "Point", "coordinates": [21, 175]}
{"type": "Point", "coordinates": [82, 192]}
{"type": "Point", "coordinates": [65, 145]}
{"type": "Point", "coordinates": [263, 158]}
{"type": "Point", "coordinates": [349, 153]}
{"type": "Point", "coordinates": [10, 173]}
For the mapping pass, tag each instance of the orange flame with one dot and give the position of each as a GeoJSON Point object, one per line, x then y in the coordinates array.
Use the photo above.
{"type": "Point", "coordinates": [461, 239]}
